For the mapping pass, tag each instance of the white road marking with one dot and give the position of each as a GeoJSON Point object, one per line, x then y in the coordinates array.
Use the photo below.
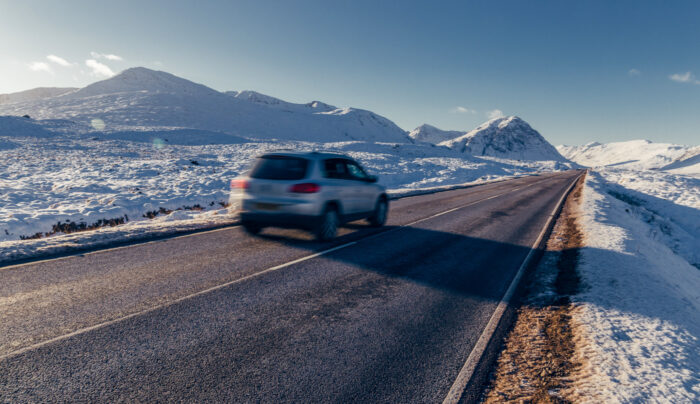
{"type": "Point", "coordinates": [467, 371]}
{"type": "Point", "coordinates": [239, 280]}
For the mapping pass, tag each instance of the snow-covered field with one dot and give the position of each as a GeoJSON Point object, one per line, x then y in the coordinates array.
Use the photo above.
{"type": "Point", "coordinates": [46, 181]}
{"type": "Point", "coordinates": [639, 311]}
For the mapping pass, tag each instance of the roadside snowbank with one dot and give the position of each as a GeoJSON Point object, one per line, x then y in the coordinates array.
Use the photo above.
{"type": "Point", "coordinates": [177, 222]}
{"type": "Point", "coordinates": [639, 312]}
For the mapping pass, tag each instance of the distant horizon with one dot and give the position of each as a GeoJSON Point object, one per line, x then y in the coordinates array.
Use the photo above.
{"type": "Point", "coordinates": [593, 71]}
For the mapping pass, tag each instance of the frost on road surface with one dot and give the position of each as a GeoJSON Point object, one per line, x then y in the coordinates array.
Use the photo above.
{"type": "Point", "coordinates": [638, 315]}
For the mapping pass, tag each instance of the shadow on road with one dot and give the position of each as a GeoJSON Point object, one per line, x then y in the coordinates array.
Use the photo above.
{"type": "Point", "coordinates": [456, 263]}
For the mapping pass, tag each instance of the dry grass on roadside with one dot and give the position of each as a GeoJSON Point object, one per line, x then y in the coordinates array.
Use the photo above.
{"type": "Point", "coordinates": [538, 358]}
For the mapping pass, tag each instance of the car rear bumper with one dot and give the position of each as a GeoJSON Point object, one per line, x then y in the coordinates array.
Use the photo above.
{"type": "Point", "coordinates": [287, 220]}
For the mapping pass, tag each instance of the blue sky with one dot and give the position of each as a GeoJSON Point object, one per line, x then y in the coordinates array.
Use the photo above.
{"type": "Point", "coordinates": [577, 71]}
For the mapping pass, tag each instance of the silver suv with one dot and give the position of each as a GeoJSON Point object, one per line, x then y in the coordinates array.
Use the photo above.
{"type": "Point", "coordinates": [311, 190]}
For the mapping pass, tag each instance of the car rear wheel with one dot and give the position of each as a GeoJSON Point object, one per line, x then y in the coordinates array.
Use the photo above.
{"type": "Point", "coordinates": [252, 228]}
{"type": "Point", "coordinates": [379, 216]}
{"type": "Point", "coordinates": [328, 227]}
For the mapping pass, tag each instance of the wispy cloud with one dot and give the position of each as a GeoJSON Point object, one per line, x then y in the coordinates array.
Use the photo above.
{"type": "Point", "coordinates": [99, 69]}
{"type": "Point", "coordinates": [40, 67]}
{"type": "Point", "coordinates": [634, 73]}
{"type": "Point", "coordinates": [108, 56]}
{"type": "Point", "coordinates": [58, 60]}
{"type": "Point", "coordinates": [462, 110]}
{"type": "Point", "coordinates": [687, 77]}
{"type": "Point", "coordinates": [495, 113]}
{"type": "Point", "coordinates": [681, 77]}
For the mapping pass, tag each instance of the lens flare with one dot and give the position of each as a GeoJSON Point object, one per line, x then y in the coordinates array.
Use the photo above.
{"type": "Point", "coordinates": [158, 143]}
{"type": "Point", "coordinates": [98, 124]}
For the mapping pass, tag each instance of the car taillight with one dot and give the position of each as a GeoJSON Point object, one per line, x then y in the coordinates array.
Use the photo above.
{"type": "Point", "coordinates": [305, 188]}
{"type": "Point", "coordinates": [239, 184]}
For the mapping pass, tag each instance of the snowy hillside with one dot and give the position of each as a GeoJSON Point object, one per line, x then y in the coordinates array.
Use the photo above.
{"type": "Point", "coordinates": [19, 126]}
{"type": "Point", "coordinates": [430, 134]}
{"type": "Point", "coordinates": [34, 94]}
{"type": "Point", "coordinates": [638, 314]}
{"type": "Point", "coordinates": [506, 138]}
{"type": "Point", "coordinates": [141, 99]}
{"type": "Point", "coordinates": [633, 154]}
{"type": "Point", "coordinates": [688, 163]}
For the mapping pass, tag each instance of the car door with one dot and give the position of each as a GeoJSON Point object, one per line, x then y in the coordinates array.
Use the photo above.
{"type": "Point", "coordinates": [364, 191]}
{"type": "Point", "coordinates": [335, 171]}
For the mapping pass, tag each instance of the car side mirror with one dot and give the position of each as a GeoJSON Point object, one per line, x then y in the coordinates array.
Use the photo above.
{"type": "Point", "coordinates": [371, 178]}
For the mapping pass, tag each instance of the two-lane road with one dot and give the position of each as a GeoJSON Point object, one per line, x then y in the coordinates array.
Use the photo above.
{"type": "Point", "coordinates": [385, 315]}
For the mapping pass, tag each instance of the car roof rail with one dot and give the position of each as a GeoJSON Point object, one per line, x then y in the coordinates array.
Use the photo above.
{"type": "Point", "coordinates": [302, 152]}
{"type": "Point", "coordinates": [334, 151]}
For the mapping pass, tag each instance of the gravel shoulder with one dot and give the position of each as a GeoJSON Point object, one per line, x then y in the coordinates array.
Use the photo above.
{"type": "Point", "coordinates": [539, 360]}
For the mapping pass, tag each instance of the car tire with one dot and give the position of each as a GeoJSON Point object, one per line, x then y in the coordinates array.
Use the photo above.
{"type": "Point", "coordinates": [252, 228]}
{"type": "Point", "coordinates": [328, 225]}
{"type": "Point", "coordinates": [381, 210]}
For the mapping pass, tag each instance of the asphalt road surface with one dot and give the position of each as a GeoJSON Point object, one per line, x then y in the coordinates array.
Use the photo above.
{"type": "Point", "coordinates": [389, 315]}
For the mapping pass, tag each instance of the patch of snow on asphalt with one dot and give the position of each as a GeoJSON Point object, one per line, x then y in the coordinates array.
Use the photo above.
{"type": "Point", "coordinates": [639, 311]}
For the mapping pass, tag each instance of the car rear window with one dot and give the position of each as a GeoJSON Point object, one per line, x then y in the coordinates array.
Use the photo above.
{"type": "Point", "coordinates": [279, 168]}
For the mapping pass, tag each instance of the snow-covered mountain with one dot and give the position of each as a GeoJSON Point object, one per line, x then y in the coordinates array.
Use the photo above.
{"type": "Point", "coordinates": [258, 98]}
{"type": "Point", "coordinates": [143, 80]}
{"type": "Point", "coordinates": [508, 138]}
{"type": "Point", "coordinates": [140, 99]}
{"type": "Point", "coordinates": [34, 94]}
{"type": "Point", "coordinates": [633, 154]}
{"type": "Point", "coordinates": [431, 134]}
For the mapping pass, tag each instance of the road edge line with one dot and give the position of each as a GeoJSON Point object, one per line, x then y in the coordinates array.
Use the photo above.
{"type": "Point", "coordinates": [468, 369]}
